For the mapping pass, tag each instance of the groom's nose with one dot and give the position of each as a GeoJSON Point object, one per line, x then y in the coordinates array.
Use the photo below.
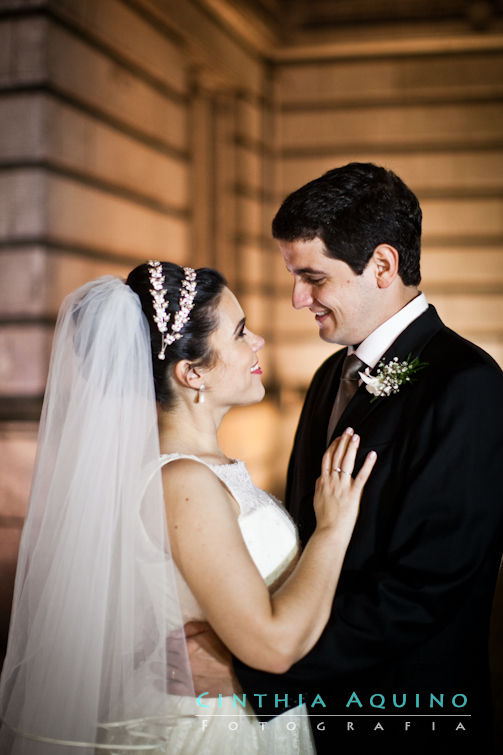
{"type": "Point", "coordinates": [301, 294]}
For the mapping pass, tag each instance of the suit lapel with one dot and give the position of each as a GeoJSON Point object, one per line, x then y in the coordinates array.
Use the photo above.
{"type": "Point", "coordinates": [411, 342]}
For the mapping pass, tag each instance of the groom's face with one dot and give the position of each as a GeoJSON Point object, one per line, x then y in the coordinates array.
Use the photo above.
{"type": "Point", "coordinates": [343, 303]}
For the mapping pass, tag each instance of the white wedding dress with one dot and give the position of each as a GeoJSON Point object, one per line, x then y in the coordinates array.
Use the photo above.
{"type": "Point", "coordinates": [224, 726]}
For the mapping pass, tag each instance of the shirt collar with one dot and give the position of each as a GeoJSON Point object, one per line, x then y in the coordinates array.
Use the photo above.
{"type": "Point", "coordinates": [378, 342]}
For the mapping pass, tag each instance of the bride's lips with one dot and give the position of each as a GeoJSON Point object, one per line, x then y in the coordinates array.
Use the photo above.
{"type": "Point", "coordinates": [255, 369]}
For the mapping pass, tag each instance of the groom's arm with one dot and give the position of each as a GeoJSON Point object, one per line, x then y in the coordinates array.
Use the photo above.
{"type": "Point", "coordinates": [210, 662]}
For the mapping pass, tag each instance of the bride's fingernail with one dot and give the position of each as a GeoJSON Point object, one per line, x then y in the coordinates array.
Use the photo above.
{"type": "Point", "coordinates": [355, 439]}
{"type": "Point", "coordinates": [349, 430]}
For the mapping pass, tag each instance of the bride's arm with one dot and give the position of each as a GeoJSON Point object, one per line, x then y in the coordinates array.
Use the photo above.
{"type": "Point", "coordinates": [264, 631]}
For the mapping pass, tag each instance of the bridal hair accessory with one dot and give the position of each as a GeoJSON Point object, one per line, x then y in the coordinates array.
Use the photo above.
{"type": "Point", "coordinates": [391, 376]}
{"type": "Point", "coordinates": [200, 394]}
{"type": "Point", "coordinates": [160, 303]}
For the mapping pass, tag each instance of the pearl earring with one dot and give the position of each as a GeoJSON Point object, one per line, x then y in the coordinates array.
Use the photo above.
{"type": "Point", "coordinates": [200, 394]}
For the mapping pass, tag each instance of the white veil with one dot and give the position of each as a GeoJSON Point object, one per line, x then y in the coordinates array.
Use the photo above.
{"type": "Point", "coordinates": [96, 655]}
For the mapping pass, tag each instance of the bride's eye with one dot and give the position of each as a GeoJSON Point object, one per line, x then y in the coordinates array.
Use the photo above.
{"type": "Point", "coordinates": [240, 330]}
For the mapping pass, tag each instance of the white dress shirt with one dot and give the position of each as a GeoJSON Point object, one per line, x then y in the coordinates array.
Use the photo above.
{"type": "Point", "coordinates": [378, 342]}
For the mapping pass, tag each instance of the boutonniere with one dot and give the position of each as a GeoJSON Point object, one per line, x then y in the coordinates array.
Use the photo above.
{"type": "Point", "coordinates": [391, 376]}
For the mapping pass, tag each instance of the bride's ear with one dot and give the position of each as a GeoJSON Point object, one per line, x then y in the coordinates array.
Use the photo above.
{"type": "Point", "coordinates": [187, 375]}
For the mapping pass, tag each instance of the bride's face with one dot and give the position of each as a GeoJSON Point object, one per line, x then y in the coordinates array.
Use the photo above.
{"type": "Point", "coordinates": [235, 377]}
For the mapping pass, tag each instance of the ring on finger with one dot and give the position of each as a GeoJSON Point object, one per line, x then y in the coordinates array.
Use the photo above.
{"type": "Point", "coordinates": [343, 471]}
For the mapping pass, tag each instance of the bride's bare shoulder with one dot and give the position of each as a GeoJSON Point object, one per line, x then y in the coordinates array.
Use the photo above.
{"type": "Point", "coordinates": [189, 482]}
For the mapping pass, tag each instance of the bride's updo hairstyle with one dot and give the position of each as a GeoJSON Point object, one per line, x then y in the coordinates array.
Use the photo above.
{"type": "Point", "coordinates": [202, 320]}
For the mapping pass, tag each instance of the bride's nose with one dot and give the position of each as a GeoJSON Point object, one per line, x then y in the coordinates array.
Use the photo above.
{"type": "Point", "coordinates": [257, 342]}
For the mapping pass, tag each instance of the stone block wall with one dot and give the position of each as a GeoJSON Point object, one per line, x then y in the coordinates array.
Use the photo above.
{"type": "Point", "coordinates": [128, 130]}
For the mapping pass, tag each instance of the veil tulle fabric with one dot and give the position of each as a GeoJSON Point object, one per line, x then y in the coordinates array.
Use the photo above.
{"type": "Point", "coordinates": [96, 659]}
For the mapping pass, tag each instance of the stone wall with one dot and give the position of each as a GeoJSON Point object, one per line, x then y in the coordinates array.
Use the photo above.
{"type": "Point", "coordinates": [127, 131]}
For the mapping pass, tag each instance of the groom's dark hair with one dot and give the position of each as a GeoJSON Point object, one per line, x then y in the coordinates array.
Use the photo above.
{"type": "Point", "coordinates": [352, 209]}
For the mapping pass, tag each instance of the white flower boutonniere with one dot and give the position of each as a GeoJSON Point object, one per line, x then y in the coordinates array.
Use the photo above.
{"type": "Point", "coordinates": [390, 377]}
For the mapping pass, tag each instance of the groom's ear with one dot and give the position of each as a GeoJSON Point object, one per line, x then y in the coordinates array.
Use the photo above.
{"type": "Point", "coordinates": [385, 260]}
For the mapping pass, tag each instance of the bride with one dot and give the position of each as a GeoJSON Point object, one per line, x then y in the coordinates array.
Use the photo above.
{"type": "Point", "coordinates": [97, 657]}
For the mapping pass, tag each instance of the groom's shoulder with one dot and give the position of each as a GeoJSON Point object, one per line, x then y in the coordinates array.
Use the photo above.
{"type": "Point", "coordinates": [457, 361]}
{"type": "Point", "coordinates": [458, 353]}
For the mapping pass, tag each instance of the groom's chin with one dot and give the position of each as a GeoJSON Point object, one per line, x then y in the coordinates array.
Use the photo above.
{"type": "Point", "coordinates": [329, 337]}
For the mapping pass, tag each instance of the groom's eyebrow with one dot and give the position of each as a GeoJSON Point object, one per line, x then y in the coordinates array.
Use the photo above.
{"type": "Point", "coordinates": [310, 270]}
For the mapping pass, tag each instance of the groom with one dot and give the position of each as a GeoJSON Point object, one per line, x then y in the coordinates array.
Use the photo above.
{"type": "Point", "coordinates": [402, 664]}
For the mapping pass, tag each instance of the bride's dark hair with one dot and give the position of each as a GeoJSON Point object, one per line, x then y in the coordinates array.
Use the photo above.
{"type": "Point", "coordinates": [202, 321]}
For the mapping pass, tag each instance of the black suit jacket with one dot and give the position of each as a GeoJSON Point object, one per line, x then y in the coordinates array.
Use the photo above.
{"type": "Point", "coordinates": [412, 608]}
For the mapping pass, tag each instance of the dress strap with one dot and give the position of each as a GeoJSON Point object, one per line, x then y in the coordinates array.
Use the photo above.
{"type": "Point", "coordinates": [167, 458]}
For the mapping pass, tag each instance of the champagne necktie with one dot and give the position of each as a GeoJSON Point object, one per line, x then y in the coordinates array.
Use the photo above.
{"type": "Point", "coordinates": [347, 389]}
